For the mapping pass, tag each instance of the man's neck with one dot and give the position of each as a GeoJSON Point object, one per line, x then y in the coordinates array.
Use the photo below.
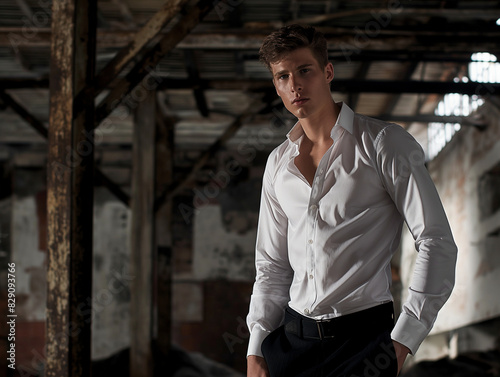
{"type": "Point", "coordinates": [318, 127]}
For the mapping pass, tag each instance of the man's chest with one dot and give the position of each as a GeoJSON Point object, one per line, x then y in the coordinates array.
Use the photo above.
{"type": "Point", "coordinates": [343, 185]}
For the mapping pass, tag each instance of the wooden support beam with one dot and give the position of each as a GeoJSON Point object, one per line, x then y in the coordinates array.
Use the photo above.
{"type": "Point", "coordinates": [418, 41]}
{"type": "Point", "coordinates": [70, 190]}
{"type": "Point", "coordinates": [142, 239]}
{"type": "Point", "coordinates": [345, 86]}
{"type": "Point", "coordinates": [23, 82]}
{"type": "Point", "coordinates": [397, 10]}
{"type": "Point", "coordinates": [115, 189]}
{"type": "Point", "coordinates": [164, 233]}
{"type": "Point", "coordinates": [42, 130]}
{"type": "Point", "coordinates": [152, 57]}
{"type": "Point", "coordinates": [139, 42]}
{"type": "Point", "coordinates": [23, 113]}
{"type": "Point", "coordinates": [430, 118]}
{"type": "Point", "coordinates": [254, 108]}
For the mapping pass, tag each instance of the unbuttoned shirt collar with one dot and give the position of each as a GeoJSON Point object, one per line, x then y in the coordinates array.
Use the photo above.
{"type": "Point", "coordinates": [344, 121]}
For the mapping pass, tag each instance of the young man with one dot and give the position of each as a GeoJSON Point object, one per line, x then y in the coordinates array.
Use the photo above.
{"type": "Point", "coordinates": [334, 198]}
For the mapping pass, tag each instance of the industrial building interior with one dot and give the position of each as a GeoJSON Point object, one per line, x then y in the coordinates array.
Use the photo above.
{"type": "Point", "coordinates": [133, 139]}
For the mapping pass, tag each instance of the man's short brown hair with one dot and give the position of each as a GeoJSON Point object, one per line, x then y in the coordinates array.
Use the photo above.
{"type": "Point", "coordinates": [290, 38]}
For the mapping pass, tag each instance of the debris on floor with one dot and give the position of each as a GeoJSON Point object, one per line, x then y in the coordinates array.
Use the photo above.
{"type": "Point", "coordinates": [472, 364]}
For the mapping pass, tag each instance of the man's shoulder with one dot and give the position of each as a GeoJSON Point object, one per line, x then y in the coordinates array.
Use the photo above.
{"type": "Point", "coordinates": [368, 128]}
{"type": "Point", "coordinates": [277, 157]}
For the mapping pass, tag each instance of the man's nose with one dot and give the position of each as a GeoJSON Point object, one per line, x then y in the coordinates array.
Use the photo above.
{"type": "Point", "coordinates": [295, 84]}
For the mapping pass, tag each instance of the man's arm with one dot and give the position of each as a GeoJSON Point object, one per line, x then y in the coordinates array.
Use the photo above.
{"type": "Point", "coordinates": [273, 272]}
{"type": "Point", "coordinates": [401, 164]}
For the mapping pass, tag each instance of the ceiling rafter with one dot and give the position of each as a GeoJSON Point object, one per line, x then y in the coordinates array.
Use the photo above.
{"type": "Point", "coordinates": [416, 41]}
{"type": "Point", "coordinates": [141, 39]}
{"type": "Point", "coordinates": [152, 57]}
{"type": "Point", "coordinates": [398, 11]}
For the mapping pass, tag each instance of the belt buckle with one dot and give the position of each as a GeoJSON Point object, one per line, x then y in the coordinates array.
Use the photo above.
{"type": "Point", "coordinates": [320, 329]}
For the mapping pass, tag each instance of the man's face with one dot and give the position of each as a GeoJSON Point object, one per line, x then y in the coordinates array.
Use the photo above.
{"type": "Point", "coordinates": [302, 84]}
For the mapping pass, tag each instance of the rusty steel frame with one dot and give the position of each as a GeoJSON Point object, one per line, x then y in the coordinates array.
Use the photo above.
{"type": "Point", "coordinates": [70, 190]}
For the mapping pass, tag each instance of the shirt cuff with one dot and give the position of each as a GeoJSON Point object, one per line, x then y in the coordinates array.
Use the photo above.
{"type": "Point", "coordinates": [410, 332]}
{"type": "Point", "coordinates": [255, 342]}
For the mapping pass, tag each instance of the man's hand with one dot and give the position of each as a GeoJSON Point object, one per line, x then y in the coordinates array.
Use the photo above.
{"type": "Point", "coordinates": [257, 367]}
{"type": "Point", "coordinates": [401, 353]}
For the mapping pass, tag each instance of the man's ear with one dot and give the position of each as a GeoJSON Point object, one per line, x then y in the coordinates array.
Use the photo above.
{"type": "Point", "coordinates": [329, 72]}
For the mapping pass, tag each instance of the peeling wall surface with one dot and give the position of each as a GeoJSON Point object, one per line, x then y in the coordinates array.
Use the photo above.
{"type": "Point", "coordinates": [458, 172]}
{"type": "Point", "coordinates": [30, 260]}
{"type": "Point", "coordinates": [111, 294]}
{"type": "Point", "coordinates": [218, 253]}
{"type": "Point", "coordinates": [111, 280]}
{"type": "Point", "coordinates": [214, 276]}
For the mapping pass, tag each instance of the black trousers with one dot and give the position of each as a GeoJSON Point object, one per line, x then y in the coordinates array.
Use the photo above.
{"type": "Point", "coordinates": [363, 349]}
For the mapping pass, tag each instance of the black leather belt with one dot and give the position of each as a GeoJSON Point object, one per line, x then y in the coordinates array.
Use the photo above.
{"type": "Point", "coordinates": [377, 318]}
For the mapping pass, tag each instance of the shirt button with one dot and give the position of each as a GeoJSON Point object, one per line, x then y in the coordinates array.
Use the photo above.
{"type": "Point", "coordinates": [306, 311]}
{"type": "Point", "coordinates": [310, 276]}
{"type": "Point", "coordinates": [313, 207]}
{"type": "Point", "coordinates": [310, 241]}
{"type": "Point", "coordinates": [321, 171]}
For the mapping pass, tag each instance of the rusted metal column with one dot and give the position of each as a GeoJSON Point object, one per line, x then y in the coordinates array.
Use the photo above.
{"type": "Point", "coordinates": [164, 232]}
{"type": "Point", "coordinates": [142, 239]}
{"type": "Point", "coordinates": [70, 189]}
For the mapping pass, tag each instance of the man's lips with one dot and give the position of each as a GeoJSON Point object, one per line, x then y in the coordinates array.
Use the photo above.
{"type": "Point", "coordinates": [299, 101]}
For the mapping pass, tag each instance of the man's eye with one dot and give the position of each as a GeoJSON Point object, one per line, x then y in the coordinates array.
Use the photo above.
{"type": "Point", "coordinates": [282, 77]}
{"type": "Point", "coordinates": [305, 70]}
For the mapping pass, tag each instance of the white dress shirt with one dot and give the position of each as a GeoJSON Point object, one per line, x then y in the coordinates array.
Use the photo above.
{"type": "Point", "coordinates": [326, 249]}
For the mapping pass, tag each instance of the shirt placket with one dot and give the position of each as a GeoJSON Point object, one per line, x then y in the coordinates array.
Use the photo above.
{"type": "Point", "coordinates": [311, 233]}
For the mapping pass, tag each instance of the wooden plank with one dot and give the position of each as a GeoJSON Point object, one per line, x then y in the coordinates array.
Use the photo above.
{"type": "Point", "coordinates": [142, 239]}
{"type": "Point", "coordinates": [152, 57]}
{"type": "Point", "coordinates": [70, 190]}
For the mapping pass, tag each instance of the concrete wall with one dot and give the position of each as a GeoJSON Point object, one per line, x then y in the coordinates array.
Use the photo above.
{"type": "Point", "coordinates": [213, 274]}
{"type": "Point", "coordinates": [213, 256]}
{"type": "Point", "coordinates": [466, 174]}
{"type": "Point", "coordinates": [28, 244]}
